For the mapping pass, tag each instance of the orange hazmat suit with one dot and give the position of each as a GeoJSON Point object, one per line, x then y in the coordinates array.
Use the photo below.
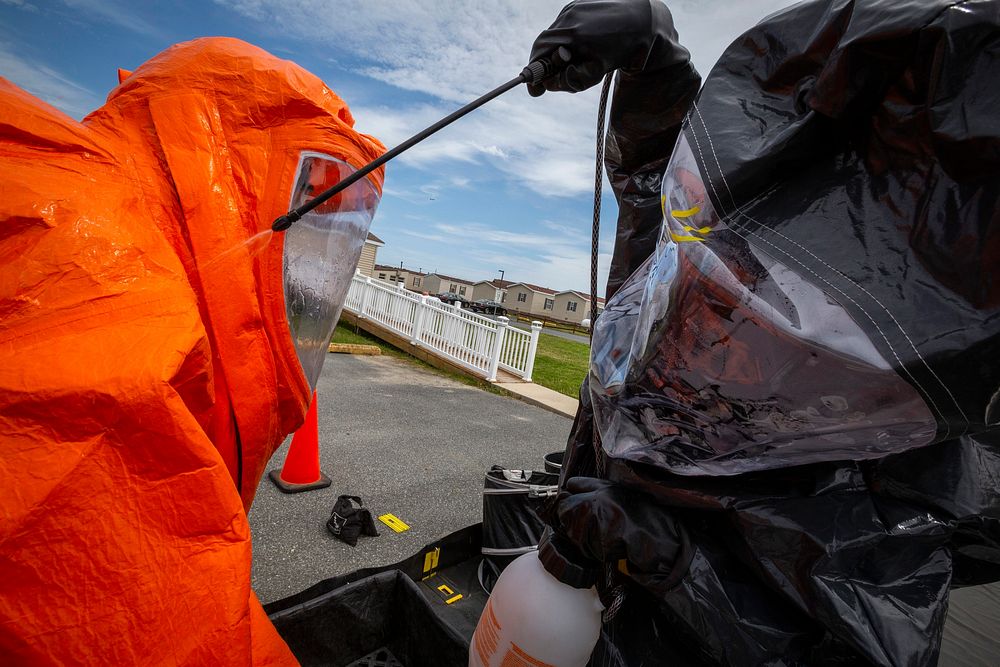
{"type": "Point", "coordinates": [147, 372]}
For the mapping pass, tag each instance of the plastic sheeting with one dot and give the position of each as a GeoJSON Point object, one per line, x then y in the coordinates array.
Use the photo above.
{"type": "Point", "coordinates": [323, 625]}
{"type": "Point", "coordinates": [803, 374]}
{"type": "Point", "coordinates": [147, 370]}
{"type": "Point", "coordinates": [718, 358]}
{"type": "Point", "coordinates": [424, 609]}
{"type": "Point", "coordinates": [385, 610]}
{"type": "Point", "coordinates": [644, 122]}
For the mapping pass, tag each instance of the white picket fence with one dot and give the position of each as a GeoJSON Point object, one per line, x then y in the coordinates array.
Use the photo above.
{"type": "Point", "coordinates": [480, 344]}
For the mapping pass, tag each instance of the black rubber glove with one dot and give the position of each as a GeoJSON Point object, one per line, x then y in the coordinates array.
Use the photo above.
{"type": "Point", "coordinates": [608, 522]}
{"type": "Point", "coordinates": [604, 35]}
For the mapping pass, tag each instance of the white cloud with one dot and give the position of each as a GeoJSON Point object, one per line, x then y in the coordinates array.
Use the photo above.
{"type": "Point", "coordinates": [51, 85]}
{"type": "Point", "coordinates": [559, 260]}
{"type": "Point", "coordinates": [20, 4]}
{"type": "Point", "coordinates": [707, 27]}
{"type": "Point", "coordinates": [566, 231]}
{"type": "Point", "coordinates": [546, 144]}
{"type": "Point", "coordinates": [118, 13]}
{"type": "Point", "coordinates": [48, 84]}
{"type": "Point", "coordinates": [456, 50]}
{"type": "Point", "coordinates": [561, 269]}
{"type": "Point", "coordinates": [437, 238]}
{"type": "Point", "coordinates": [427, 192]}
{"type": "Point", "coordinates": [452, 51]}
{"type": "Point", "coordinates": [485, 234]}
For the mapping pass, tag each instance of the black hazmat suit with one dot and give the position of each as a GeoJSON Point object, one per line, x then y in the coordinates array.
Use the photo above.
{"type": "Point", "coordinates": [788, 438]}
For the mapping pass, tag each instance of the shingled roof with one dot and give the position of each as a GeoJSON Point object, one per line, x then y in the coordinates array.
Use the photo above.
{"type": "Point", "coordinates": [537, 288]}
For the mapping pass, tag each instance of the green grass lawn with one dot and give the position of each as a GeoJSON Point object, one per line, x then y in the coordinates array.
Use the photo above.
{"type": "Point", "coordinates": [346, 333]}
{"type": "Point", "coordinates": [561, 364]}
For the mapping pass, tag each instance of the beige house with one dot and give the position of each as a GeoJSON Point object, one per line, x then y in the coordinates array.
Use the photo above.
{"type": "Point", "coordinates": [572, 306]}
{"type": "Point", "coordinates": [523, 299]}
{"type": "Point", "coordinates": [436, 283]}
{"type": "Point", "coordinates": [366, 264]}
{"type": "Point", "coordinates": [412, 280]}
{"type": "Point", "coordinates": [527, 299]}
{"type": "Point", "coordinates": [492, 290]}
{"type": "Point", "coordinates": [415, 281]}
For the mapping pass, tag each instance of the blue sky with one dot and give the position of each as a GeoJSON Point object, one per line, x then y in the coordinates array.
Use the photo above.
{"type": "Point", "coordinates": [509, 187]}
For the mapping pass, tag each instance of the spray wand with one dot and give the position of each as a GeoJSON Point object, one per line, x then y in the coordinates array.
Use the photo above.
{"type": "Point", "coordinates": [535, 72]}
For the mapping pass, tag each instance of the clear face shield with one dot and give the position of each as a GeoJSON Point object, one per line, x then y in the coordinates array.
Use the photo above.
{"type": "Point", "coordinates": [320, 255]}
{"type": "Point", "coordinates": [715, 358]}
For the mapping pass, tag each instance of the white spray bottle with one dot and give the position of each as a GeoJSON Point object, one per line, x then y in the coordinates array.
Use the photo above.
{"type": "Point", "coordinates": [534, 619]}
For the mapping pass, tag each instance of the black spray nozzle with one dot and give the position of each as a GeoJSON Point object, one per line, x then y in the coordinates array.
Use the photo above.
{"type": "Point", "coordinates": [543, 68]}
{"type": "Point", "coordinates": [285, 221]}
{"type": "Point", "coordinates": [535, 72]}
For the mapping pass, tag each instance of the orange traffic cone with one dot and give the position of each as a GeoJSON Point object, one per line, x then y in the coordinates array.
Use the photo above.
{"type": "Point", "coordinates": [301, 470]}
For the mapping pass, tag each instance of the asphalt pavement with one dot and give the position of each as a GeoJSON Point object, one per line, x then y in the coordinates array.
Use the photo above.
{"type": "Point", "coordinates": [410, 442]}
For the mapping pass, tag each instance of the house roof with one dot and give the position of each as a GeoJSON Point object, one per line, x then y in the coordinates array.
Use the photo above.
{"type": "Point", "coordinates": [582, 295]}
{"type": "Point", "coordinates": [496, 284]}
{"type": "Point", "coordinates": [536, 288]}
{"type": "Point", "coordinates": [506, 284]}
{"type": "Point", "coordinates": [386, 267]}
{"type": "Point", "coordinates": [452, 278]}
{"type": "Point", "coordinates": [374, 239]}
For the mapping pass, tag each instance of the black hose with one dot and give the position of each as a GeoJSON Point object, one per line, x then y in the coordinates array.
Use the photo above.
{"type": "Point", "coordinates": [595, 236]}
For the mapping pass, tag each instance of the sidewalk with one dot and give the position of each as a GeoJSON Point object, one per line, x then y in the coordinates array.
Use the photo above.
{"type": "Point", "coordinates": [540, 396]}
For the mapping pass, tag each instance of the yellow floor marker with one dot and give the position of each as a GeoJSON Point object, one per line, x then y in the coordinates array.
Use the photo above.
{"type": "Point", "coordinates": [449, 594]}
{"type": "Point", "coordinates": [394, 522]}
{"type": "Point", "coordinates": [431, 559]}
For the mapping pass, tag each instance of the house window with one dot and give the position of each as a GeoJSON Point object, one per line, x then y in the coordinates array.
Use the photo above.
{"type": "Point", "coordinates": [381, 276]}
{"type": "Point", "coordinates": [549, 303]}
{"type": "Point", "coordinates": [503, 297]}
{"type": "Point", "coordinates": [461, 291]}
{"type": "Point", "coordinates": [416, 281]}
{"type": "Point", "coordinates": [452, 288]}
{"type": "Point", "coordinates": [522, 297]}
{"type": "Point", "coordinates": [571, 306]}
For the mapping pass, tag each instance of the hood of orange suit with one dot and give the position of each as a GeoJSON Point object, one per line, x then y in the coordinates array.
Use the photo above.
{"type": "Point", "coordinates": [146, 363]}
{"type": "Point", "coordinates": [222, 125]}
